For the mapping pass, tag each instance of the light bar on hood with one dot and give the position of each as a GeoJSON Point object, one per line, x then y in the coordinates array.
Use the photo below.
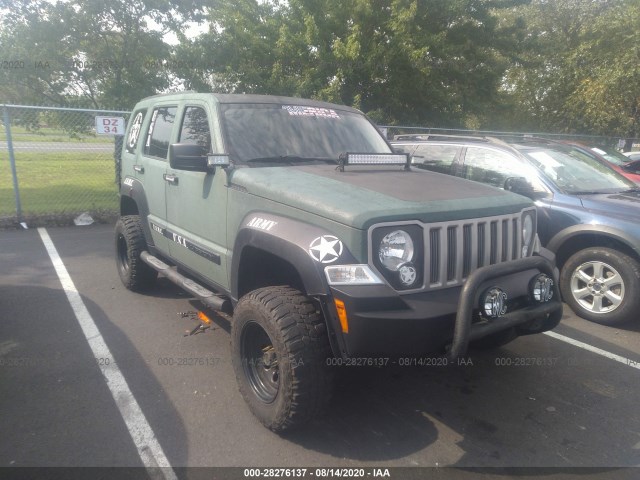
{"type": "Point", "coordinates": [374, 159]}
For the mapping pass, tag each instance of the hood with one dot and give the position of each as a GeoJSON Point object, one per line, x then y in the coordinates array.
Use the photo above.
{"type": "Point", "coordinates": [360, 197]}
{"type": "Point", "coordinates": [625, 205]}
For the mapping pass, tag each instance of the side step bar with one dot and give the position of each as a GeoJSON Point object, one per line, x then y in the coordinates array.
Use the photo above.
{"type": "Point", "coordinates": [206, 296]}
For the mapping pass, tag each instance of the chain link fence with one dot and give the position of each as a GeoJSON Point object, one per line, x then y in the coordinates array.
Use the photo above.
{"type": "Point", "coordinates": [58, 163]}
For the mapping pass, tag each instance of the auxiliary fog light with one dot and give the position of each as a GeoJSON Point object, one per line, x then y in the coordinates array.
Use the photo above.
{"type": "Point", "coordinates": [407, 274]}
{"type": "Point", "coordinates": [494, 303]}
{"type": "Point", "coordinates": [541, 288]}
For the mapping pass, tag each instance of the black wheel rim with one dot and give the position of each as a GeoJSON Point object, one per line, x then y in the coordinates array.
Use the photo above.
{"type": "Point", "coordinates": [123, 255]}
{"type": "Point", "coordinates": [260, 362]}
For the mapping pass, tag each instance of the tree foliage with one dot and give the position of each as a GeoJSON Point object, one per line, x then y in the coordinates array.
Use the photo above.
{"type": "Point", "coordinates": [400, 60]}
{"type": "Point", "coordinates": [87, 52]}
{"type": "Point", "coordinates": [553, 65]}
{"type": "Point", "coordinates": [579, 67]}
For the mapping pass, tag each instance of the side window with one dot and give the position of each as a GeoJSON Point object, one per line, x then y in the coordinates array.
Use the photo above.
{"type": "Point", "coordinates": [195, 128]}
{"type": "Point", "coordinates": [134, 130]}
{"type": "Point", "coordinates": [404, 148]}
{"type": "Point", "coordinates": [437, 158]}
{"type": "Point", "coordinates": [162, 120]}
{"type": "Point", "coordinates": [494, 168]}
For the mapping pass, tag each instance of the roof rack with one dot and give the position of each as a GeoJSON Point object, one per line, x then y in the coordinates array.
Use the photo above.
{"type": "Point", "coordinates": [438, 137]}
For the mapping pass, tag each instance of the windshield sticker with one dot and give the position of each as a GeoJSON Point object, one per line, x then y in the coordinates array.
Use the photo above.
{"type": "Point", "coordinates": [299, 111]}
{"type": "Point", "coordinates": [325, 249]}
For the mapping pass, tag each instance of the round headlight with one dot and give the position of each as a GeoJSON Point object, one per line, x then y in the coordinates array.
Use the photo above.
{"type": "Point", "coordinates": [527, 234]}
{"type": "Point", "coordinates": [396, 248]}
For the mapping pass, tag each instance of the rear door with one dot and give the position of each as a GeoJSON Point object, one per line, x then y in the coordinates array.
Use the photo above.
{"type": "Point", "coordinates": [152, 167]}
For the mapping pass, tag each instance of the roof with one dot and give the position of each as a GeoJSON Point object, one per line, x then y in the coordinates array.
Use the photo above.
{"type": "Point", "coordinates": [241, 98]}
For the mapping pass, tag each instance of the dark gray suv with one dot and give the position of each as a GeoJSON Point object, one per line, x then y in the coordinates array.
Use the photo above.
{"type": "Point", "coordinates": [588, 214]}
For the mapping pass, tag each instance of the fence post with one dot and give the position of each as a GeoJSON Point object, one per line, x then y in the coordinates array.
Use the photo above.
{"type": "Point", "coordinates": [12, 161]}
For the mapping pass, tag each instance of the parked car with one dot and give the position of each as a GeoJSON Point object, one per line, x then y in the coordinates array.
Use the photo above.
{"type": "Point", "coordinates": [322, 246]}
{"type": "Point", "coordinates": [618, 162]}
{"type": "Point", "coordinates": [588, 214]}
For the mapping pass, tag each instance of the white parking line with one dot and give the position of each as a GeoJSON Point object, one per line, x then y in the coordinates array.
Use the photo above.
{"type": "Point", "coordinates": [585, 346]}
{"type": "Point", "coordinates": [144, 438]}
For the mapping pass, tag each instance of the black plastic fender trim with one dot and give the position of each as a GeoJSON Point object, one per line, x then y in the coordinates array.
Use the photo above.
{"type": "Point", "coordinates": [133, 188]}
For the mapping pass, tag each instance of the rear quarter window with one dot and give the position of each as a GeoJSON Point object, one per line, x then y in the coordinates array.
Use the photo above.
{"type": "Point", "coordinates": [160, 130]}
{"type": "Point", "coordinates": [134, 130]}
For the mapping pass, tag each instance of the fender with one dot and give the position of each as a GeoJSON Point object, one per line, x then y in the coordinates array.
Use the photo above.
{"type": "Point", "coordinates": [306, 247]}
{"type": "Point", "coordinates": [133, 188]}
{"type": "Point", "coordinates": [600, 230]}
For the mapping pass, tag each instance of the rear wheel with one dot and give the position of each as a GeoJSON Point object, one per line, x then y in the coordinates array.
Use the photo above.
{"type": "Point", "coordinates": [280, 347]}
{"type": "Point", "coordinates": [130, 243]}
{"type": "Point", "coordinates": [601, 285]}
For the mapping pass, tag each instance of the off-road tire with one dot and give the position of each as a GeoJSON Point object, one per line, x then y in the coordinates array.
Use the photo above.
{"type": "Point", "coordinates": [130, 243]}
{"type": "Point", "coordinates": [611, 260]}
{"type": "Point", "coordinates": [297, 335]}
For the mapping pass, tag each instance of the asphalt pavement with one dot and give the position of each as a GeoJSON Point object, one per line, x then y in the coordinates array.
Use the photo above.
{"type": "Point", "coordinates": [537, 402]}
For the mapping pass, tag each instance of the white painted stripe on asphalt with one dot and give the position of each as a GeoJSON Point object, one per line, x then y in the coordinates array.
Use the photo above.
{"type": "Point", "coordinates": [144, 438]}
{"type": "Point", "coordinates": [585, 346]}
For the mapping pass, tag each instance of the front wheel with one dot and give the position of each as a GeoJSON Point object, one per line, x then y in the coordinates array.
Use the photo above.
{"type": "Point", "coordinates": [601, 285]}
{"type": "Point", "coordinates": [279, 348]}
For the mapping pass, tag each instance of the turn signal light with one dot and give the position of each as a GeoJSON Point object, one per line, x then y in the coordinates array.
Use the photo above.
{"type": "Point", "coordinates": [342, 315]}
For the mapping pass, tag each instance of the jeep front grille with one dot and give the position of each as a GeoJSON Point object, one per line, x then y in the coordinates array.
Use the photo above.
{"type": "Point", "coordinates": [455, 249]}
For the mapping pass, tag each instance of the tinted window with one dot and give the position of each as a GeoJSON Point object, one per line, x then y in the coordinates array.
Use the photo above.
{"type": "Point", "coordinates": [195, 128]}
{"type": "Point", "coordinates": [134, 130]}
{"type": "Point", "coordinates": [437, 158]}
{"type": "Point", "coordinates": [493, 167]}
{"type": "Point", "coordinates": [268, 131]}
{"type": "Point", "coordinates": [162, 120]}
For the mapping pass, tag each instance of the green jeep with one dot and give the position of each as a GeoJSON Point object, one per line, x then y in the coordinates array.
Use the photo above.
{"type": "Point", "coordinates": [325, 247]}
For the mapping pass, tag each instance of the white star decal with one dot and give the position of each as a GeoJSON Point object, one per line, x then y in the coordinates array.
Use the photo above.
{"type": "Point", "coordinates": [325, 249]}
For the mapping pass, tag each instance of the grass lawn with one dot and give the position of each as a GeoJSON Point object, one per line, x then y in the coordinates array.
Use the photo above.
{"type": "Point", "coordinates": [46, 134]}
{"type": "Point", "coordinates": [60, 182]}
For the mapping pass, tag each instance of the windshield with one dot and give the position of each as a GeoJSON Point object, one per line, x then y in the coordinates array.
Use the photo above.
{"type": "Point", "coordinates": [576, 172]}
{"type": "Point", "coordinates": [612, 156]}
{"type": "Point", "coordinates": [293, 133]}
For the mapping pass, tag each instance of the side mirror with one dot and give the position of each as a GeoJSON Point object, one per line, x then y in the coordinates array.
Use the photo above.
{"type": "Point", "coordinates": [520, 186]}
{"type": "Point", "coordinates": [194, 158]}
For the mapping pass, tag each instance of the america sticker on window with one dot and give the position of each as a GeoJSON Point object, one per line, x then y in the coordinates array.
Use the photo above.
{"type": "Point", "coordinates": [300, 111]}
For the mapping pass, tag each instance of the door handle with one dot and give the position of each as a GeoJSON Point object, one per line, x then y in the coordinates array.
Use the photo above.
{"type": "Point", "coordinates": [172, 179]}
{"type": "Point", "coordinates": [138, 168]}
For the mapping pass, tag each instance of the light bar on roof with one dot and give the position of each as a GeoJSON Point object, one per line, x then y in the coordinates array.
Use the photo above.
{"type": "Point", "coordinates": [374, 159]}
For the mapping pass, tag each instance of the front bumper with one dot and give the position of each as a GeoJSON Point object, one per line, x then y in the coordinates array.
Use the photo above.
{"type": "Point", "coordinates": [382, 322]}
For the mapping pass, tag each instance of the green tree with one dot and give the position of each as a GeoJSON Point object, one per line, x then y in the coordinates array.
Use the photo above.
{"type": "Point", "coordinates": [577, 70]}
{"type": "Point", "coordinates": [437, 62]}
{"type": "Point", "coordinates": [88, 52]}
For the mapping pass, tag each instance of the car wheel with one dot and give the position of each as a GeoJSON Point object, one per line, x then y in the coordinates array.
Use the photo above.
{"type": "Point", "coordinates": [130, 243]}
{"type": "Point", "coordinates": [279, 348]}
{"type": "Point", "coordinates": [601, 285]}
